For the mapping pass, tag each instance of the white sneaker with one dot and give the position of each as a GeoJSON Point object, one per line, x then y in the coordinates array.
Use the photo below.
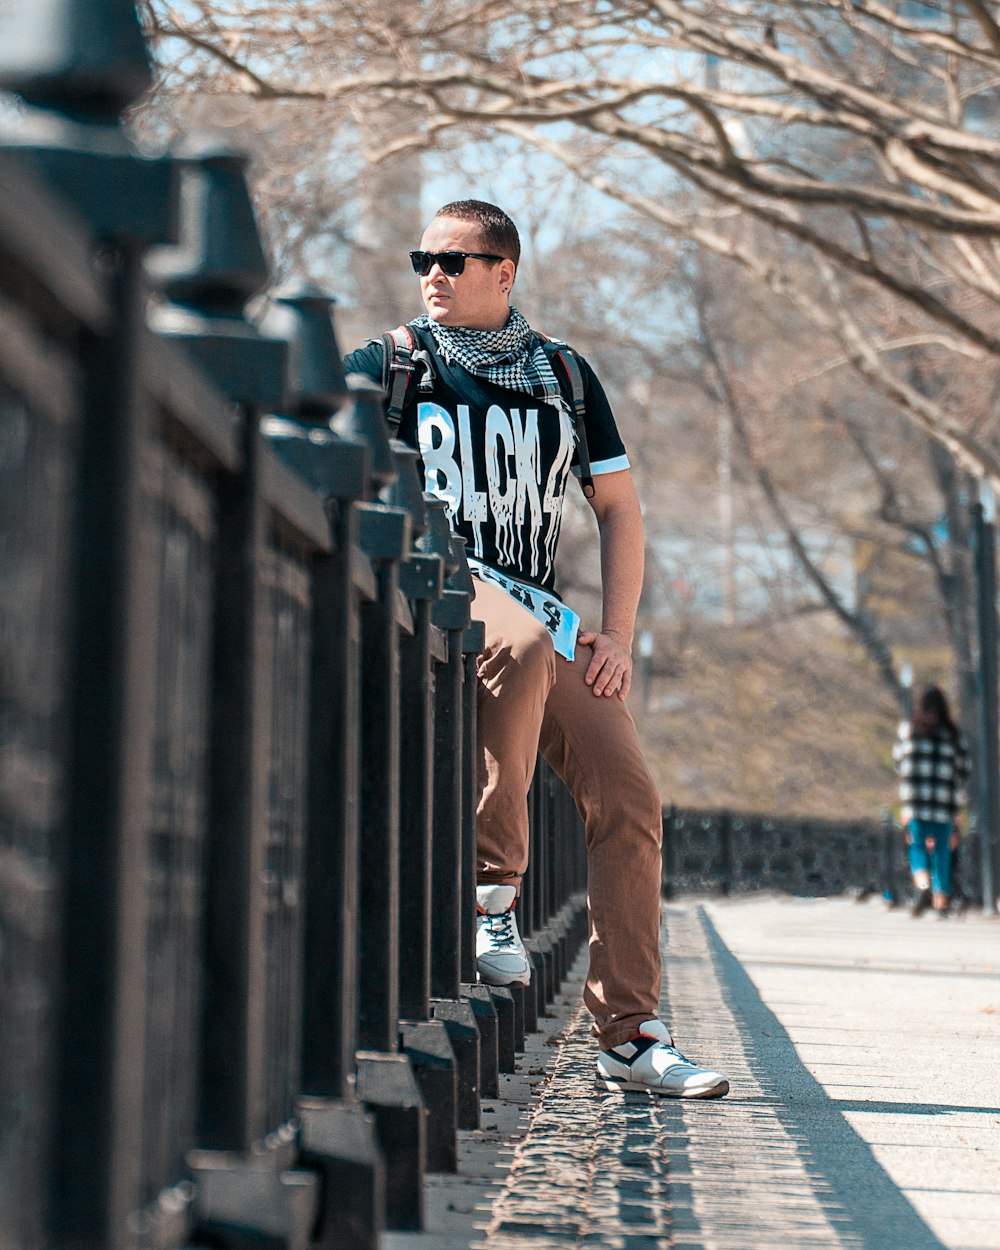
{"type": "Point", "coordinates": [500, 954]}
{"type": "Point", "coordinates": [650, 1061]}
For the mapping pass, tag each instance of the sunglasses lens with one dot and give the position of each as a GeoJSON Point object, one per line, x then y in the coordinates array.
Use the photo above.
{"type": "Point", "coordinates": [452, 263]}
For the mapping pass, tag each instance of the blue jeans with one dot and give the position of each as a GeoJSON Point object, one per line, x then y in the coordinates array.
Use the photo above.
{"type": "Point", "coordinates": [930, 851]}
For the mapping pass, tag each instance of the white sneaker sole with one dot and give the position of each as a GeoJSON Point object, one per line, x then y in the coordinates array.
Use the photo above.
{"type": "Point", "coordinates": [615, 1085]}
{"type": "Point", "coordinates": [501, 979]}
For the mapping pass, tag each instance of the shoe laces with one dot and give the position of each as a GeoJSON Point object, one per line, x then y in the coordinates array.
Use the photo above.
{"type": "Point", "coordinates": [500, 927]}
{"type": "Point", "coordinates": [672, 1050]}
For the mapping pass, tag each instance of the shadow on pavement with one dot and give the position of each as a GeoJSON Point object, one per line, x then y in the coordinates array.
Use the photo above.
{"type": "Point", "coordinates": [912, 1108]}
{"type": "Point", "coordinates": [863, 1205]}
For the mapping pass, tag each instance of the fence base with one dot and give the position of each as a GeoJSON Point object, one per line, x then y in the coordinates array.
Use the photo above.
{"type": "Point", "coordinates": [486, 1020]}
{"type": "Point", "coordinates": [518, 994]}
{"type": "Point", "coordinates": [534, 1003]}
{"type": "Point", "coordinates": [242, 1202]}
{"type": "Point", "coordinates": [338, 1141]}
{"type": "Point", "coordinates": [463, 1033]}
{"type": "Point", "coordinates": [387, 1086]}
{"type": "Point", "coordinates": [503, 1005]}
{"type": "Point", "coordinates": [223, 1236]}
{"type": "Point", "coordinates": [425, 1043]}
{"type": "Point", "coordinates": [539, 948]}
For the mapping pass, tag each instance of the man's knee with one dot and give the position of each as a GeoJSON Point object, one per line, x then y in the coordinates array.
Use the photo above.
{"type": "Point", "coordinates": [629, 799]}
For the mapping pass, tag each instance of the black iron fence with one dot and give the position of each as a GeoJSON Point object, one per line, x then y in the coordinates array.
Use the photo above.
{"type": "Point", "coordinates": [237, 981]}
{"type": "Point", "coordinates": [727, 852]}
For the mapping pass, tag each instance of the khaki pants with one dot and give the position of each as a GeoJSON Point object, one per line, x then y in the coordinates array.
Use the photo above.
{"type": "Point", "coordinates": [532, 700]}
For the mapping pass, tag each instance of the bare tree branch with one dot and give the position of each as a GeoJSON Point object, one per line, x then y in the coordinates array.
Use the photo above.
{"type": "Point", "coordinates": [981, 12]}
{"type": "Point", "coordinates": [860, 626]}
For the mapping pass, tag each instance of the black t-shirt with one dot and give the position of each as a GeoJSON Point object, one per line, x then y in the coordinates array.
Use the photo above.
{"type": "Point", "coordinates": [499, 459]}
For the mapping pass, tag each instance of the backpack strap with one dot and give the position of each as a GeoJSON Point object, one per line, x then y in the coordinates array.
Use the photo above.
{"type": "Point", "coordinates": [397, 369]}
{"type": "Point", "coordinates": [571, 368]}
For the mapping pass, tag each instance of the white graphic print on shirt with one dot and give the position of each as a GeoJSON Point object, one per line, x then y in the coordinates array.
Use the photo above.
{"type": "Point", "coordinates": [561, 621]}
{"type": "Point", "coordinates": [519, 513]}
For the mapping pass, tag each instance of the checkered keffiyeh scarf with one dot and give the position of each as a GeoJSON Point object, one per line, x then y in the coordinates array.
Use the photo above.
{"type": "Point", "coordinates": [511, 357]}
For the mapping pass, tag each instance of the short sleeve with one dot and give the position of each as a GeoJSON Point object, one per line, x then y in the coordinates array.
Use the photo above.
{"type": "Point", "coordinates": [604, 444]}
{"type": "Point", "coordinates": [367, 360]}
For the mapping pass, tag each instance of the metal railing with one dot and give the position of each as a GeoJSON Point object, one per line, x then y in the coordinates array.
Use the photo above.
{"type": "Point", "coordinates": [729, 852]}
{"type": "Point", "coordinates": [237, 980]}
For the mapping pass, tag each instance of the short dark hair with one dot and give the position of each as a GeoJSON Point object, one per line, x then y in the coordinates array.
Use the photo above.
{"type": "Point", "coordinates": [498, 231]}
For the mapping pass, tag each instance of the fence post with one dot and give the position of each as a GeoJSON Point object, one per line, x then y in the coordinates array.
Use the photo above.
{"type": "Point", "coordinates": [385, 536]}
{"type": "Point", "coordinates": [386, 1080]}
{"type": "Point", "coordinates": [246, 1185]}
{"type": "Point", "coordinates": [988, 782]}
{"type": "Point", "coordinates": [559, 837]}
{"type": "Point", "coordinates": [40, 428]}
{"type": "Point", "coordinates": [532, 995]}
{"type": "Point", "coordinates": [446, 930]}
{"type": "Point", "coordinates": [470, 644]}
{"type": "Point", "coordinates": [63, 62]}
{"type": "Point", "coordinates": [337, 1136]}
{"type": "Point", "coordinates": [537, 942]}
{"type": "Point", "coordinates": [424, 1040]}
{"type": "Point", "coordinates": [669, 853]}
{"type": "Point", "coordinates": [451, 615]}
{"type": "Point", "coordinates": [421, 579]}
{"type": "Point", "coordinates": [493, 1006]}
{"type": "Point", "coordinates": [209, 288]}
{"type": "Point", "coordinates": [726, 852]}
{"type": "Point", "coordinates": [338, 467]}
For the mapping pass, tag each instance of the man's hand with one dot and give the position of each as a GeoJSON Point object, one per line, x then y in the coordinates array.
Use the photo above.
{"type": "Point", "coordinates": [619, 520]}
{"type": "Point", "coordinates": [610, 671]}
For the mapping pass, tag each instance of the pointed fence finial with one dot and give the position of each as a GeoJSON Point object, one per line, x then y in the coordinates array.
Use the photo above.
{"type": "Point", "coordinates": [84, 58]}
{"type": "Point", "coordinates": [436, 540]}
{"type": "Point", "coordinates": [405, 492]}
{"type": "Point", "coordinates": [364, 418]}
{"type": "Point", "coordinates": [301, 313]}
{"type": "Point", "coordinates": [219, 264]}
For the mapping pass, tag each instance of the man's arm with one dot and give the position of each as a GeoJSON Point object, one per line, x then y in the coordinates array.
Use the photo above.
{"type": "Point", "coordinates": [619, 519]}
{"type": "Point", "coordinates": [368, 359]}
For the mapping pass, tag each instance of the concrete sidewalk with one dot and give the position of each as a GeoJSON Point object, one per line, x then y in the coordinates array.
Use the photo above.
{"type": "Point", "coordinates": [863, 1050]}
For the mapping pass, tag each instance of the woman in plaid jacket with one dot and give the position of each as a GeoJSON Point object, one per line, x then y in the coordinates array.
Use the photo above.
{"type": "Point", "coordinates": [932, 761]}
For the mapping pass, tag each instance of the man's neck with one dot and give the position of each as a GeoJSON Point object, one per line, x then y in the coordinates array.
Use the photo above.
{"type": "Point", "coordinates": [491, 324]}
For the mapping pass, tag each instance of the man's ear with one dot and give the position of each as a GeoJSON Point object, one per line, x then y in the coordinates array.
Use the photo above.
{"type": "Point", "coordinates": [507, 273]}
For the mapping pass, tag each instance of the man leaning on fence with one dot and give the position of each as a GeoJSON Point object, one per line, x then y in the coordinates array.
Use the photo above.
{"type": "Point", "coordinates": [502, 419]}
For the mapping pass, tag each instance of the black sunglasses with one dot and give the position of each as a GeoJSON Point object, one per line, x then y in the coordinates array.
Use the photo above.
{"type": "Point", "coordinates": [452, 263]}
